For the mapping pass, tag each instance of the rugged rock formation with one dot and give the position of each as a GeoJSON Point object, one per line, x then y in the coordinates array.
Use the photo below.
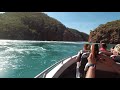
{"type": "Point", "coordinates": [108, 33]}
{"type": "Point", "coordinates": [74, 35]}
{"type": "Point", "coordinates": [36, 26]}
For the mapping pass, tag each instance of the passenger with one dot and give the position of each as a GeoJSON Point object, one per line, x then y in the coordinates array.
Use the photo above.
{"type": "Point", "coordinates": [103, 47]}
{"type": "Point", "coordinates": [86, 47]}
{"type": "Point", "coordinates": [92, 67]}
{"type": "Point", "coordinates": [116, 53]}
{"type": "Point", "coordinates": [105, 60]}
{"type": "Point", "coordinates": [85, 50]}
{"type": "Point", "coordinates": [109, 62]}
{"type": "Point", "coordinates": [116, 50]}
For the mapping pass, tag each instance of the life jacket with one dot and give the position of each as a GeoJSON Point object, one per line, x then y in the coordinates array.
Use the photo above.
{"type": "Point", "coordinates": [83, 54]}
{"type": "Point", "coordinates": [82, 59]}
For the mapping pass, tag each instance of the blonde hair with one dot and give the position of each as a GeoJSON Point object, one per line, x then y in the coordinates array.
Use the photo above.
{"type": "Point", "coordinates": [117, 48]}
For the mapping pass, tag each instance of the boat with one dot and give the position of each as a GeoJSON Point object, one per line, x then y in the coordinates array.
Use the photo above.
{"type": "Point", "coordinates": [72, 67]}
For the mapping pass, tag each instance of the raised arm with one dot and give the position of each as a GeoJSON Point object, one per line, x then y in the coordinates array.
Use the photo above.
{"type": "Point", "coordinates": [91, 72]}
{"type": "Point", "coordinates": [90, 67]}
{"type": "Point", "coordinates": [109, 62]}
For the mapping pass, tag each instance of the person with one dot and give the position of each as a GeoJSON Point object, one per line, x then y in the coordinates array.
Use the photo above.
{"type": "Point", "coordinates": [105, 60]}
{"type": "Point", "coordinates": [109, 62]}
{"type": "Point", "coordinates": [92, 67]}
{"type": "Point", "coordinates": [116, 50]}
{"type": "Point", "coordinates": [86, 47]}
{"type": "Point", "coordinates": [103, 47]}
{"type": "Point", "coordinates": [116, 53]}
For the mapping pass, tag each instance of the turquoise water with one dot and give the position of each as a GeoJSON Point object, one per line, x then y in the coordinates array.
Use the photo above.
{"type": "Point", "coordinates": [26, 59]}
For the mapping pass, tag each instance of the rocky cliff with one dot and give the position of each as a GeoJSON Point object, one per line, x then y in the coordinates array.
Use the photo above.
{"type": "Point", "coordinates": [108, 33]}
{"type": "Point", "coordinates": [36, 26]}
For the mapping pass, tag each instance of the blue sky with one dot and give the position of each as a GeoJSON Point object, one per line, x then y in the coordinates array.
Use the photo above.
{"type": "Point", "coordinates": [84, 21]}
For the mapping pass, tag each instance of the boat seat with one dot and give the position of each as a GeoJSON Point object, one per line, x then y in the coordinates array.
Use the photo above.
{"type": "Point", "coordinates": [83, 63]}
{"type": "Point", "coordinates": [117, 59]}
{"type": "Point", "coordinates": [81, 53]}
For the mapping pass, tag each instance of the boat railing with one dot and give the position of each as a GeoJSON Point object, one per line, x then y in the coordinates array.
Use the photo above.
{"type": "Point", "coordinates": [45, 72]}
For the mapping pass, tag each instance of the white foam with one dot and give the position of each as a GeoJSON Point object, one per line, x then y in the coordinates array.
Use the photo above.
{"type": "Point", "coordinates": [33, 41]}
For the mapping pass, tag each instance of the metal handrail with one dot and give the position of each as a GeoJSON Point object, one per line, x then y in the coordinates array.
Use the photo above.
{"type": "Point", "coordinates": [44, 73]}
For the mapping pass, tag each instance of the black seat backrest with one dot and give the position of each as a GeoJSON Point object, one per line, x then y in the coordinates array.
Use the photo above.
{"type": "Point", "coordinates": [117, 58]}
{"type": "Point", "coordinates": [80, 54]}
{"type": "Point", "coordinates": [83, 63]}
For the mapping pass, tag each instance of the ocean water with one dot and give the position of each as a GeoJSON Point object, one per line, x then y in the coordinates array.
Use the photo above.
{"type": "Point", "coordinates": [26, 59]}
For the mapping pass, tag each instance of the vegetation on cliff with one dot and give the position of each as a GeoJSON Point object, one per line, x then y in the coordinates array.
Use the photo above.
{"type": "Point", "coordinates": [36, 26]}
{"type": "Point", "coordinates": [108, 33]}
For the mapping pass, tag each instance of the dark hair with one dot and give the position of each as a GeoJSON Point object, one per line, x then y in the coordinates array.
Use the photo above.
{"type": "Point", "coordinates": [113, 47]}
{"type": "Point", "coordinates": [87, 46]}
{"type": "Point", "coordinates": [103, 45]}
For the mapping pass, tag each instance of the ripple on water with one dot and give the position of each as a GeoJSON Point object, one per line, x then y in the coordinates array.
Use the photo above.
{"type": "Point", "coordinates": [28, 58]}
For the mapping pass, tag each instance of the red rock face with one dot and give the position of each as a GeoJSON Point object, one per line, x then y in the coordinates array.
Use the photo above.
{"type": "Point", "coordinates": [69, 36]}
{"type": "Point", "coordinates": [107, 36]}
{"type": "Point", "coordinates": [108, 33]}
{"type": "Point", "coordinates": [36, 26]}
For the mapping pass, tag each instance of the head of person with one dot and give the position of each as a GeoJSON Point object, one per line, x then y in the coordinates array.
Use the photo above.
{"type": "Point", "coordinates": [103, 45]}
{"type": "Point", "coordinates": [101, 42]}
{"type": "Point", "coordinates": [86, 47]}
{"type": "Point", "coordinates": [116, 50]}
